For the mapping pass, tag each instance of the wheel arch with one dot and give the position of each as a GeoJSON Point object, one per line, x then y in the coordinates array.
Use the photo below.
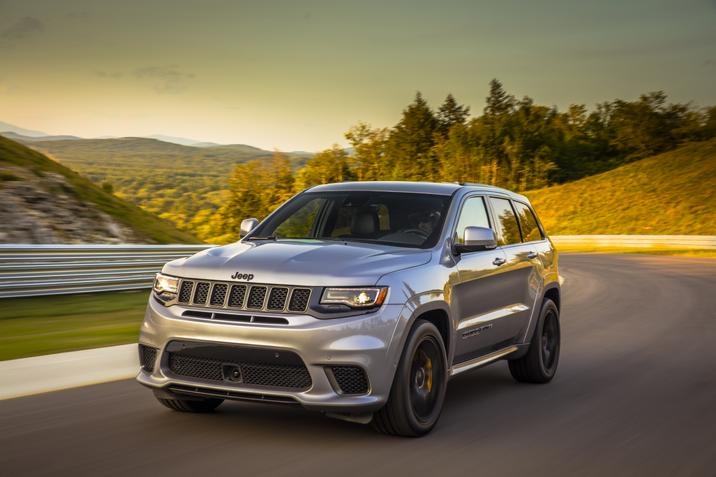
{"type": "Point", "coordinates": [553, 293]}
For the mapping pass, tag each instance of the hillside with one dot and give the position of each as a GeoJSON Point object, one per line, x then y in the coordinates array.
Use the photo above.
{"type": "Point", "coordinates": [183, 184]}
{"type": "Point", "coordinates": [672, 193]}
{"type": "Point", "coordinates": [46, 202]}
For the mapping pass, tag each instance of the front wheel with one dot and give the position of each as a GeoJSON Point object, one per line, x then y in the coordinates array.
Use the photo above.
{"type": "Point", "coordinates": [416, 398]}
{"type": "Point", "coordinates": [540, 363]}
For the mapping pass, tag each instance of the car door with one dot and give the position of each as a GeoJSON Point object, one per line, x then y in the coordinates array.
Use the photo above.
{"type": "Point", "coordinates": [522, 271]}
{"type": "Point", "coordinates": [479, 289]}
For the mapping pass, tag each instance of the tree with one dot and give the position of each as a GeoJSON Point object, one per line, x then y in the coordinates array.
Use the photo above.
{"type": "Point", "coordinates": [449, 114]}
{"type": "Point", "coordinates": [367, 160]}
{"type": "Point", "coordinates": [330, 165]}
{"type": "Point", "coordinates": [411, 141]}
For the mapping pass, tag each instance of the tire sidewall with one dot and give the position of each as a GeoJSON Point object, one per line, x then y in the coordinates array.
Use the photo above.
{"type": "Point", "coordinates": [547, 308]}
{"type": "Point", "coordinates": [422, 330]}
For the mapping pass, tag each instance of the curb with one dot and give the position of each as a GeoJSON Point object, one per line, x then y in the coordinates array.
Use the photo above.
{"type": "Point", "coordinates": [41, 374]}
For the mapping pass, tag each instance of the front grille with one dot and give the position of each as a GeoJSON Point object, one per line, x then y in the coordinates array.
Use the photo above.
{"type": "Point", "coordinates": [256, 298]}
{"type": "Point", "coordinates": [299, 299]}
{"type": "Point", "coordinates": [275, 369]}
{"type": "Point", "coordinates": [236, 297]}
{"type": "Point", "coordinates": [239, 296]}
{"type": "Point", "coordinates": [277, 298]}
{"type": "Point", "coordinates": [218, 294]}
{"type": "Point", "coordinates": [147, 357]}
{"type": "Point", "coordinates": [201, 293]}
{"type": "Point", "coordinates": [350, 379]}
{"type": "Point", "coordinates": [185, 291]}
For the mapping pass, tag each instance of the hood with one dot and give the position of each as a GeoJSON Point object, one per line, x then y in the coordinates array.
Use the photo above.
{"type": "Point", "coordinates": [295, 262]}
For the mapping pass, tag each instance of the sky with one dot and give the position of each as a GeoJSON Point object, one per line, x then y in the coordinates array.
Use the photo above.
{"type": "Point", "coordinates": [296, 75]}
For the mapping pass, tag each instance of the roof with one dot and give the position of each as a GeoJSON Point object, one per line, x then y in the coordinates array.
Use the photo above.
{"type": "Point", "coordinates": [437, 188]}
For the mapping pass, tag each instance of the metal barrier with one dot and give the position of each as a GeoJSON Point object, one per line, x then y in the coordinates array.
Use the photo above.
{"type": "Point", "coordinates": [636, 242]}
{"type": "Point", "coordinates": [38, 270]}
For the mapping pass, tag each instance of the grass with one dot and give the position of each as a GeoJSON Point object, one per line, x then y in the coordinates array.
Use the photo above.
{"type": "Point", "coordinates": [37, 326]}
{"type": "Point", "coordinates": [144, 223]}
{"type": "Point", "coordinates": [671, 194]}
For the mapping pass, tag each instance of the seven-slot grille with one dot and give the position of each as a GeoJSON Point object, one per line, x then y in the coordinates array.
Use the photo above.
{"type": "Point", "coordinates": [243, 296]}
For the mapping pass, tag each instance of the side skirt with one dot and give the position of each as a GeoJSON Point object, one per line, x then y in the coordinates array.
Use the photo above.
{"type": "Point", "coordinates": [483, 360]}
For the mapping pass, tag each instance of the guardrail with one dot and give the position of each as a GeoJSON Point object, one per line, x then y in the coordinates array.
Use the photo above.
{"type": "Point", "coordinates": [636, 242]}
{"type": "Point", "coordinates": [38, 270]}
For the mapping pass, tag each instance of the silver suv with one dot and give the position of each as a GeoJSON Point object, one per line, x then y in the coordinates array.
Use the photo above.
{"type": "Point", "coordinates": [360, 300]}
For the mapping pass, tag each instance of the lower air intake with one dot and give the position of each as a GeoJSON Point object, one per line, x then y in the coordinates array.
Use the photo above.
{"type": "Point", "coordinates": [147, 357]}
{"type": "Point", "coordinates": [350, 379]}
{"type": "Point", "coordinates": [238, 365]}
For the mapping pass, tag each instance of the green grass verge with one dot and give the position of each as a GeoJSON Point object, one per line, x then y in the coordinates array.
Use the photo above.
{"type": "Point", "coordinates": [669, 194]}
{"type": "Point", "coordinates": [37, 326]}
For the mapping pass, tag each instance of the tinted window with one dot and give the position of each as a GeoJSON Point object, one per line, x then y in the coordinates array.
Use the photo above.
{"type": "Point", "coordinates": [507, 222]}
{"type": "Point", "coordinates": [473, 214]}
{"type": "Point", "coordinates": [301, 223]}
{"type": "Point", "coordinates": [528, 223]}
{"type": "Point", "coordinates": [391, 218]}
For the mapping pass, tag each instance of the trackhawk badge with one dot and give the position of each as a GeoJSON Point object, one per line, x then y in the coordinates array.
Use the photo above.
{"type": "Point", "coordinates": [243, 276]}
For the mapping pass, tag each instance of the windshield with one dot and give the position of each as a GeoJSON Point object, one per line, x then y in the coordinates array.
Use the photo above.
{"type": "Point", "coordinates": [390, 218]}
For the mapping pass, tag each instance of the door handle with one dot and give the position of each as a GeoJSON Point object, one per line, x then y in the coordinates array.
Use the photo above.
{"type": "Point", "coordinates": [531, 255]}
{"type": "Point", "coordinates": [499, 261]}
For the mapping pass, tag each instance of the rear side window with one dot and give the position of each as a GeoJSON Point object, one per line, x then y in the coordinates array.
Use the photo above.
{"type": "Point", "coordinates": [528, 223]}
{"type": "Point", "coordinates": [473, 214]}
{"type": "Point", "coordinates": [506, 222]}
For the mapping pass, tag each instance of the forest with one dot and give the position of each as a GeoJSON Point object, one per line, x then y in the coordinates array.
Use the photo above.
{"type": "Point", "coordinates": [513, 143]}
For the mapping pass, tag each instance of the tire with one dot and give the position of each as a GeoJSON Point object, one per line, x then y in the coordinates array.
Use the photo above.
{"type": "Point", "coordinates": [418, 391]}
{"type": "Point", "coordinates": [191, 405]}
{"type": "Point", "coordinates": [539, 365]}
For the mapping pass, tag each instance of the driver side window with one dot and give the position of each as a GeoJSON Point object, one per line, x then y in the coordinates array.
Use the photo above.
{"type": "Point", "coordinates": [473, 214]}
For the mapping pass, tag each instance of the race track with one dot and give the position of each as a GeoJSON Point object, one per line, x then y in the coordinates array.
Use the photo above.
{"type": "Point", "coordinates": [635, 395]}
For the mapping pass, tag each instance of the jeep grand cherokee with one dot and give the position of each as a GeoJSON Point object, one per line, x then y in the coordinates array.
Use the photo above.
{"type": "Point", "coordinates": [360, 300]}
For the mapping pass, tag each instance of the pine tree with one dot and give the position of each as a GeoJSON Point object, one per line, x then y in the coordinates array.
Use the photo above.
{"type": "Point", "coordinates": [449, 114]}
{"type": "Point", "coordinates": [411, 142]}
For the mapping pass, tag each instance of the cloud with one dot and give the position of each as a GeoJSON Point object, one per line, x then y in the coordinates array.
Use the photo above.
{"type": "Point", "coordinates": [165, 79]}
{"type": "Point", "coordinates": [21, 29]}
{"type": "Point", "coordinates": [710, 63]}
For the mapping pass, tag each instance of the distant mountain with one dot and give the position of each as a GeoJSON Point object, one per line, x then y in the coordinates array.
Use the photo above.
{"type": "Point", "coordinates": [46, 202]}
{"type": "Point", "coordinates": [6, 127]}
{"type": "Point", "coordinates": [182, 141]}
{"type": "Point", "coordinates": [184, 184]}
{"type": "Point", "coordinates": [23, 139]}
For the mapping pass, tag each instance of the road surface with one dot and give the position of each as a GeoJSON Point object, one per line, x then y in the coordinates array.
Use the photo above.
{"type": "Point", "coordinates": [635, 395]}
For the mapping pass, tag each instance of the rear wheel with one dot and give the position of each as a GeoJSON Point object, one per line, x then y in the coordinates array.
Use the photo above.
{"type": "Point", "coordinates": [191, 405]}
{"type": "Point", "coordinates": [539, 365]}
{"type": "Point", "coordinates": [416, 398]}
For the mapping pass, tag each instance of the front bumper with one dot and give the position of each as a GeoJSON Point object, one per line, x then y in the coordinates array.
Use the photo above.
{"type": "Point", "coordinates": [367, 341]}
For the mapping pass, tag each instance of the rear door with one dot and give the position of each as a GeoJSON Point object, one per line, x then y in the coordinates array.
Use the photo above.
{"type": "Point", "coordinates": [522, 270]}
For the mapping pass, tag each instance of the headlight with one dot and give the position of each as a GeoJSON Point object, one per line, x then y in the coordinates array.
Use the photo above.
{"type": "Point", "coordinates": [166, 287]}
{"type": "Point", "coordinates": [354, 297]}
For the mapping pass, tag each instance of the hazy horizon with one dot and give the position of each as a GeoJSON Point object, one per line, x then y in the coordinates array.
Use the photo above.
{"type": "Point", "coordinates": [296, 76]}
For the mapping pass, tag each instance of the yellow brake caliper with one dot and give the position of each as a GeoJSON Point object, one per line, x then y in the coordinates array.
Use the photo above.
{"type": "Point", "coordinates": [428, 373]}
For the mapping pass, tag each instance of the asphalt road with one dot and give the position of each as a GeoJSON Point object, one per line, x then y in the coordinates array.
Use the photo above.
{"type": "Point", "coordinates": [635, 395]}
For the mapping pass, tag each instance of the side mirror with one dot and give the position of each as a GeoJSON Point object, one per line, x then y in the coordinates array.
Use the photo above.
{"type": "Point", "coordinates": [475, 239]}
{"type": "Point", "coordinates": [247, 225]}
